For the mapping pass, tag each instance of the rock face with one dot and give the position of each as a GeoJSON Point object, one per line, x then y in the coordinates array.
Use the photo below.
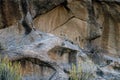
{"type": "Point", "coordinates": [48, 36]}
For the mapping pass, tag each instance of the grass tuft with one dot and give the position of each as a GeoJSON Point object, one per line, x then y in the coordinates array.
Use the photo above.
{"type": "Point", "coordinates": [83, 72]}
{"type": "Point", "coordinates": [9, 70]}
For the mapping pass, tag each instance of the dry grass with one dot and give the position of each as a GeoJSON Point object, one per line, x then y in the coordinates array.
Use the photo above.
{"type": "Point", "coordinates": [9, 70]}
{"type": "Point", "coordinates": [83, 72]}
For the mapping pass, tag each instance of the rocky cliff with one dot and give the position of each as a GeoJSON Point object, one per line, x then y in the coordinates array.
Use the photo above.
{"type": "Point", "coordinates": [48, 36]}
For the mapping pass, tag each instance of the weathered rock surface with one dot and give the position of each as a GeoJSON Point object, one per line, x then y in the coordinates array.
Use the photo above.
{"type": "Point", "coordinates": [48, 36]}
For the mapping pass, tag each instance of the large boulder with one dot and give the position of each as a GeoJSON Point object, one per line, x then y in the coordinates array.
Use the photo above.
{"type": "Point", "coordinates": [48, 36]}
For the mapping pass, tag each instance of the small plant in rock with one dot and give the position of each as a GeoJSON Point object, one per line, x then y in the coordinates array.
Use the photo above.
{"type": "Point", "coordinates": [83, 72]}
{"type": "Point", "coordinates": [9, 70]}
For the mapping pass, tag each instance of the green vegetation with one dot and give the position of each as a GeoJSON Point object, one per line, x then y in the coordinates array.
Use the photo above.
{"type": "Point", "coordinates": [9, 70]}
{"type": "Point", "coordinates": [81, 73]}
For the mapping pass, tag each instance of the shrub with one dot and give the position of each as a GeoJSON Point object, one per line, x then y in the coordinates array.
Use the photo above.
{"type": "Point", "coordinates": [9, 71]}
{"type": "Point", "coordinates": [83, 72]}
